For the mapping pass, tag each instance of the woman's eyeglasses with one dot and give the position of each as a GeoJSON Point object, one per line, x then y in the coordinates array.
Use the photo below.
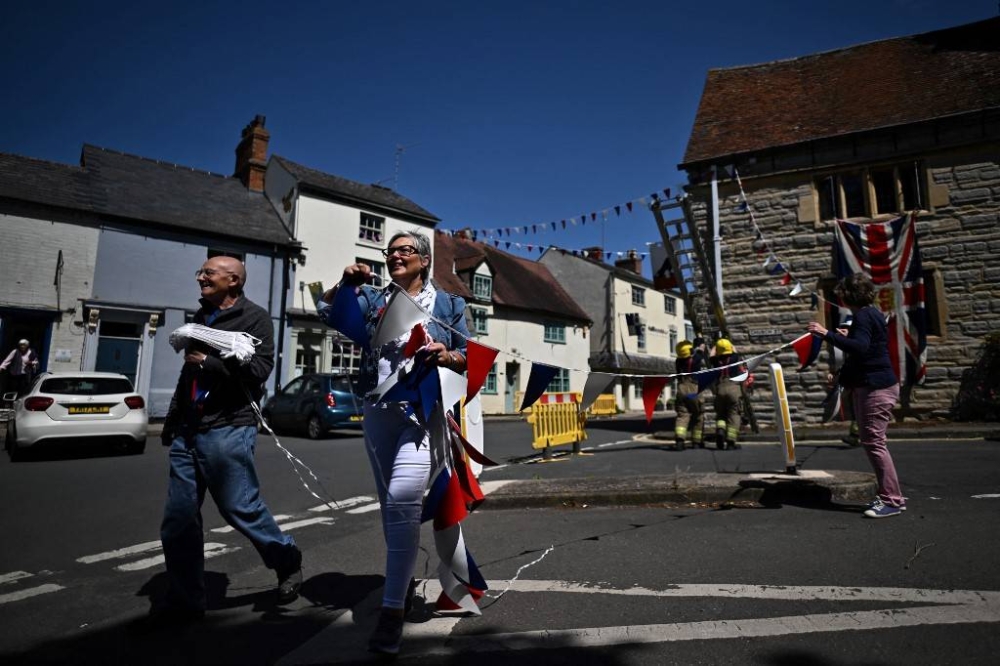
{"type": "Point", "coordinates": [401, 250]}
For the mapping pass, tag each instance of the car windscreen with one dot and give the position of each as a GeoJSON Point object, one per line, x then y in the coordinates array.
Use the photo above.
{"type": "Point", "coordinates": [341, 384]}
{"type": "Point", "coordinates": [86, 386]}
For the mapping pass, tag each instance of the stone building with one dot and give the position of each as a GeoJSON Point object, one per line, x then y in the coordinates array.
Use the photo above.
{"type": "Point", "coordinates": [862, 133]}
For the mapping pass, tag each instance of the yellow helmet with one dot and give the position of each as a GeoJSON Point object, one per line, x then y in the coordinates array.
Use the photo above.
{"type": "Point", "coordinates": [723, 347]}
{"type": "Point", "coordinates": [683, 349]}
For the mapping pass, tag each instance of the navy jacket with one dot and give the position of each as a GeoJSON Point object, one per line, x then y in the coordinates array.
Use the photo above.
{"type": "Point", "coordinates": [867, 348]}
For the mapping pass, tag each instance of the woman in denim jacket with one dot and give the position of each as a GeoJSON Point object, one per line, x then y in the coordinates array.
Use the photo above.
{"type": "Point", "coordinates": [398, 443]}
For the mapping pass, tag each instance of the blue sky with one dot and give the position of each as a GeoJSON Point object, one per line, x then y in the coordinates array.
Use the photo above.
{"type": "Point", "coordinates": [512, 113]}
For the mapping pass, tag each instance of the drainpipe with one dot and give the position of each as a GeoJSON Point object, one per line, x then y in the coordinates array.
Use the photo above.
{"type": "Point", "coordinates": [716, 237]}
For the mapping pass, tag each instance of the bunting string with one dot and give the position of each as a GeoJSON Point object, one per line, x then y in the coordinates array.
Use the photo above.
{"type": "Point", "coordinates": [565, 223]}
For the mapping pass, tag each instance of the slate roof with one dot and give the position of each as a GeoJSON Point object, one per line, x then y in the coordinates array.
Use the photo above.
{"type": "Point", "coordinates": [880, 84]}
{"type": "Point", "coordinates": [354, 192]}
{"type": "Point", "coordinates": [40, 182]}
{"type": "Point", "coordinates": [517, 283]}
{"type": "Point", "coordinates": [142, 189]}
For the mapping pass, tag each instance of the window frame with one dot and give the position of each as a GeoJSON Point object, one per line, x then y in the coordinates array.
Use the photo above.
{"type": "Point", "coordinates": [483, 316]}
{"type": "Point", "coordinates": [478, 281]}
{"type": "Point", "coordinates": [560, 382]}
{"type": "Point", "coordinates": [907, 179]}
{"type": "Point", "coordinates": [371, 229]}
{"type": "Point", "coordinates": [556, 327]}
{"type": "Point", "coordinates": [638, 296]}
{"type": "Point", "coordinates": [491, 382]}
{"type": "Point", "coordinates": [669, 304]}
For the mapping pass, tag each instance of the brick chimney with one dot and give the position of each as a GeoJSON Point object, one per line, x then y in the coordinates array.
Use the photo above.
{"type": "Point", "coordinates": [594, 253]}
{"type": "Point", "coordinates": [631, 262]}
{"type": "Point", "coordinates": [251, 155]}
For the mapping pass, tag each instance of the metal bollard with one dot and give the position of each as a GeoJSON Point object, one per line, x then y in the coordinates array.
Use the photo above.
{"type": "Point", "coordinates": [783, 417]}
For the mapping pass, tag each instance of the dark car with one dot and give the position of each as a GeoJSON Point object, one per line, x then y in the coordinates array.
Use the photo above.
{"type": "Point", "coordinates": [314, 404]}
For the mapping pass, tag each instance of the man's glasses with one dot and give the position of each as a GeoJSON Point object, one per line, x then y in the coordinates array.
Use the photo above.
{"type": "Point", "coordinates": [209, 272]}
{"type": "Point", "coordinates": [401, 250]}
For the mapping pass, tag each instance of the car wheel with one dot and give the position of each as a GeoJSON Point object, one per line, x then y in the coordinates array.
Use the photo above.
{"type": "Point", "coordinates": [136, 448]}
{"type": "Point", "coordinates": [10, 443]}
{"type": "Point", "coordinates": [315, 428]}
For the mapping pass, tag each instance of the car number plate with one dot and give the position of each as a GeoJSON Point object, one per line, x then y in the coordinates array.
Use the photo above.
{"type": "Point", "coordinates": [89, 409]}
{"type": "Point", "coordinates": [356, 418]}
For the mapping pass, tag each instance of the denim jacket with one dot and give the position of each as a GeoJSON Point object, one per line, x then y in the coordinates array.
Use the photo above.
{"type": "Point", "coordinates": [447, 308]}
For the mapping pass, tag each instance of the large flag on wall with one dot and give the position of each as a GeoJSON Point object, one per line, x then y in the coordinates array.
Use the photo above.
{"type": "Point", "coordinates": [888, 253]}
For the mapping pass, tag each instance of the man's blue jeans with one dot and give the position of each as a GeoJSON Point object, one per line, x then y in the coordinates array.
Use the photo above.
{"type": "Point", "coordinates": [220, 461]}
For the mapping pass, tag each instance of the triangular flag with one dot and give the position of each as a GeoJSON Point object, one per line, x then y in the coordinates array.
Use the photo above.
{"type": "Point", "coordinates": [628, 204]}
{"type": "Point", "coordinates": [618, 210]}
{"type": "Point", "coordinates": [597, 383]}
{"type": "Point", "coordinates": [453, 387]}
{"type": "Point", "coordinates": [796, 290]}
{"type": "Point", "coordinates": [652, 386]}
{"type": "Point", "coordinates": [478, 360]}
{"type": "Point", "coordinates": [345, 315]}
{"type": "Point", "coordinates": [418, 339]}
{"type": "Point", "coordinates": [538, 380]}
{"type": "Point", "coordinates": [813, 302]}
{"type": "Point", "coordinates": [767, 261]}
{"type": "Point", "coordinates": [778, 268]}
{"type": "Point", "coordinates": [786, 279]}
{"type": "Point", "coordinates": [807, 348]}
{"type": "Point", "coordinates": [398, 317]}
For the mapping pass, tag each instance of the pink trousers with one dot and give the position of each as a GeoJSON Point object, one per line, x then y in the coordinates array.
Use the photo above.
{"type": "Point", "coordinates": [873, 410]}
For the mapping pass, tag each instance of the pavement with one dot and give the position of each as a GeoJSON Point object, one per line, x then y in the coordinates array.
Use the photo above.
{"type": "Point", "coordinates": [752, 474]}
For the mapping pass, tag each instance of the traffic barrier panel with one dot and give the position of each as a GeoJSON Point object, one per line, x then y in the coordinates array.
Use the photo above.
{"type": "Point", "coordinates": [557, 423]}
{"type": "Point", "coordinates": [605, 405]}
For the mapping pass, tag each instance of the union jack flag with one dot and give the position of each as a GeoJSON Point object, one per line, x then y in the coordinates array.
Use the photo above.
{"type": "Point", "coordinates": [888, 253]}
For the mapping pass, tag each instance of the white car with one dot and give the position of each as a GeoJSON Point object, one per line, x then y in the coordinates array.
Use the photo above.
{"type": "Point", "coordinates": [76, 407]}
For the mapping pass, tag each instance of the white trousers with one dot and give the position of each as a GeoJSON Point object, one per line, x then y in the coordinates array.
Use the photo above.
{"type": "Point", "coordinates": [399, 452]}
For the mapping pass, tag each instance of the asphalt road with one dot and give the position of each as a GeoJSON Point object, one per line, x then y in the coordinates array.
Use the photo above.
{"type": "Point", "coordinates": [635, 585]}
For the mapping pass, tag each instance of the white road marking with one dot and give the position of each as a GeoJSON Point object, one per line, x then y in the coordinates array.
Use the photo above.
{"type": "Point", "coordinates": [927, 607]}
{"type": "Point", "coordinates": [492, 486]}
{"type": "Point", "coordinates": [229, 528]}
{"type": "Point", "coordinates": [990, 496]}
{"type": "Point", "coordinates": [320, 520]}
{"type": "Point", "coordinates": [493, 469]}
{"type": "Point", "coordinates": [344, 503]}
{"type": "Point", "coordinates": [30, 592]}
{"type": "Point", "coordinates": [211, 550]}
{"type": "Point", "coordinates": [367, 508]}
{"type": "Point", "coordinates": [12, 576]}
{"type": "Point", "coordinates": [120, 553]}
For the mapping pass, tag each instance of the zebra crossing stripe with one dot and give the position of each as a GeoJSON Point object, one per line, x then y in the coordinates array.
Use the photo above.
{"type": "Point", "coordinates": [211, 550]}
{"type": "Point", "coordinates": [120, 553]}
{"type": "Point", "coordinates": [29, 592]}
{"type": "Point", "coordinates": [12, 576]}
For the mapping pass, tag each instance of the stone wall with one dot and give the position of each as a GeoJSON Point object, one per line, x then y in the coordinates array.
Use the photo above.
{"type": "Point", "coordinates": [959, 238]}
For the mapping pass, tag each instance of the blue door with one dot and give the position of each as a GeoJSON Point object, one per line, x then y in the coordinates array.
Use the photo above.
{"type": "Point", "coordinates": [118, 355]}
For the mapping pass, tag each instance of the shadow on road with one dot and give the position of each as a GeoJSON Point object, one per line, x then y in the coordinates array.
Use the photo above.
{"type": "Point", "coordinates": [241, 629]}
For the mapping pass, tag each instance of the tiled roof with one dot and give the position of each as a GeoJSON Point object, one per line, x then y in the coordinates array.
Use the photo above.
{"type": "Point", "coordinates": [355, 192]}
{"type": "Point", "coordinates": [517, 283]}
{"type": "Point", "coordinates": [880, 84]}
{"type": "Point", "coordinates": [40, 182]}
{"type": "Point", "coordinates": [142, 189]}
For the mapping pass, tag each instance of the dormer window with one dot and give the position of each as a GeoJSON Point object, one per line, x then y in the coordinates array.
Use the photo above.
{"type": "Point", "coordinates": [482, 287]}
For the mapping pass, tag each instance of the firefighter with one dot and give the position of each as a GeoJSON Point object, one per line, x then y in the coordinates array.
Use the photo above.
{"type": "Point", "coordinates": [689, 405]}
{"type": "Point", "coordinates": [727, 395]}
